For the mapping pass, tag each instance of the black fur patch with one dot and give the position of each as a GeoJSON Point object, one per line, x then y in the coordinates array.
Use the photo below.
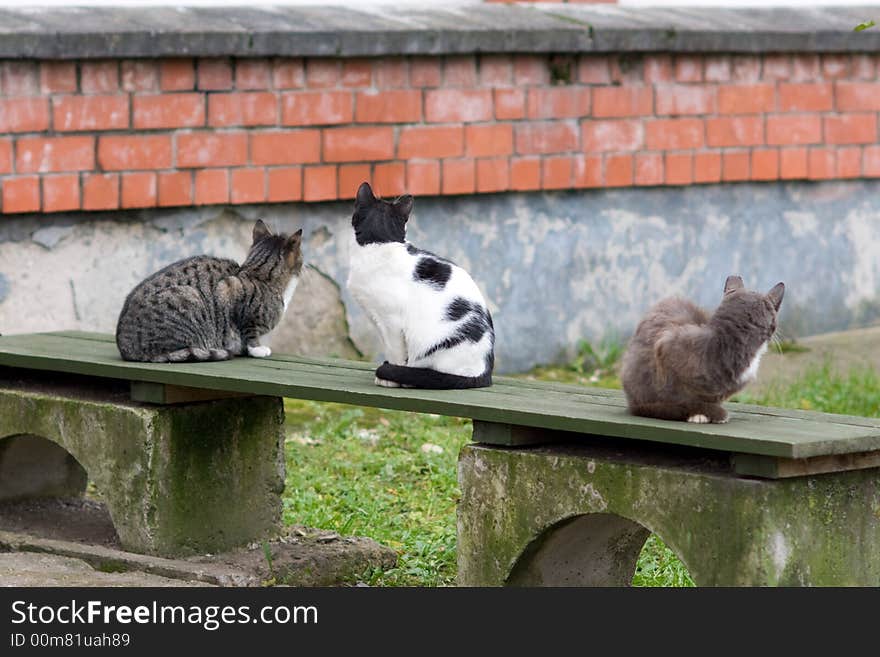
{"type": "Point", "coordinates": [433, 272]}
{"type": "Point", "coordinates": [478, 322]}
{"type": "Point", "coordinates": [458, 309]}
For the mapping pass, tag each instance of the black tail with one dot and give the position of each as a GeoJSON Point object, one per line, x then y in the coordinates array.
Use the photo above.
{"type": "Point", "coordinates": [423, 377]}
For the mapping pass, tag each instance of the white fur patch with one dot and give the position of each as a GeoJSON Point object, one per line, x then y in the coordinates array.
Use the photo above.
{"type": "Point", "coordinates": [385, 383]}
{"type": "Point", "coordinates": [289, 290]}
{"type": "Point", "coordinates": [698, 419]}
{"type": "Point", "coordinates": [260, 351]}
{"type": "Point", "coordinates": [751, 372]}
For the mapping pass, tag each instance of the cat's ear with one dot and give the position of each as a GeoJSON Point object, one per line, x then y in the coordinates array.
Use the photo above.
{"type": "Point", "coordinates": [365, 195]}
{"type": "Point", "coordinates": [295, 240]}
{"type": "Point", "coordinates": [292, 247]}
{"type": "Point", "coordinates": [404, 205]}
{"type": "Point", "coordinates": [775, 295]}
{"type": "Point", "coordinates": [733, 283]}
{"type": "Point", "coordinates": [261, 230]}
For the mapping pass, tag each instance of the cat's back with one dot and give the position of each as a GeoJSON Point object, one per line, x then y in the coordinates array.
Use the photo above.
{"type": "Point", "coordinates": [198, 271]}
{"type": "Point", "coordinates": [671, 313]}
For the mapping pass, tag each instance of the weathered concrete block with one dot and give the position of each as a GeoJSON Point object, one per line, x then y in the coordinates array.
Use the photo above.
{"type": "Point", "coordinates": [565, 516]}
{"type": "Point", "coordinates": [177, 480]}
{"type": "Point", "coordinates": [31, 466]}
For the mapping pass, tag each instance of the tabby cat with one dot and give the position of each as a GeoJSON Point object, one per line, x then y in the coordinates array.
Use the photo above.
{"type": "Point", "coordinates": [682, 362]}
{"type": "Point", "coordinates": [206, 308]}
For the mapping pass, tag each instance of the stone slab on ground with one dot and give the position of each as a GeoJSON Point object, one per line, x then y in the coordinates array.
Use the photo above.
{"type": "Point", "coordinates": [35, 569]}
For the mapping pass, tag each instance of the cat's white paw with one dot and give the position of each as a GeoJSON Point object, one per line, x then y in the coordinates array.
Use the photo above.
{"type": "Point", "coordinates": [724, 421]}
{"type": "Point", "coordinates": [698, 419]}
{"type": "Point", "coordinates": [386, 384]}
{"type": "Point", "coordinates": [259, 351]}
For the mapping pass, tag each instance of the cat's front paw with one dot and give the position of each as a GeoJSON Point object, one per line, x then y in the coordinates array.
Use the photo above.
{"type": "Point", "coordinates": [259, 351]}
{"type": "Point", "coordinates": [385, 383]}
{"type": "Point", "coordinates": [698, 419]}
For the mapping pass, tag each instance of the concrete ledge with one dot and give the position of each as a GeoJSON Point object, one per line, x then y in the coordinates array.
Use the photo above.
{"type": "Point", "coordinates": [83, 33]}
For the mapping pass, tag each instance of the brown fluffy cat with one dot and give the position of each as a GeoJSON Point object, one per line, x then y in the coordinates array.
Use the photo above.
{"type": "Point", "coordinates": [681, 363]}
{"type": "Point", "coordinates": [206, 308]}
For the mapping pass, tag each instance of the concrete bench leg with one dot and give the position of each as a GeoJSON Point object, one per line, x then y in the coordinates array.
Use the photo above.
{"type": "Point", "coordinates": [184, 479]}
{"type": "Point", "coordinates": [554, 516]}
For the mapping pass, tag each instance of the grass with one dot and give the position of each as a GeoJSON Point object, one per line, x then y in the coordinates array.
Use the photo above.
{"type": "Point", "coordinates": [391, 475]}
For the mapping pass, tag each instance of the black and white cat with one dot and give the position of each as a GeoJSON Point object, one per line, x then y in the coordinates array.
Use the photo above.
{"type": "Point", "coordinates": [433, 322]}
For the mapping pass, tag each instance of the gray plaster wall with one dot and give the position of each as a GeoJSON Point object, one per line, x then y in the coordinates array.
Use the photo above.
{"type": "Point", "coordinates": [556, 267]}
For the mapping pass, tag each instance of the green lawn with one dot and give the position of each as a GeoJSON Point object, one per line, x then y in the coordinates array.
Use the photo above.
{"type": "Point", "coordinates": [391, 475]}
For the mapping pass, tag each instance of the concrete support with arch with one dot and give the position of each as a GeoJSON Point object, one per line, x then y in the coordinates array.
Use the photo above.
{"type": "Point", "coordinates": [579, 516]}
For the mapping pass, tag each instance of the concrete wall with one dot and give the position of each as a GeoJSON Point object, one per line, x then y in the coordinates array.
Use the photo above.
{"type": "Point", "coordinates": [555, 266]}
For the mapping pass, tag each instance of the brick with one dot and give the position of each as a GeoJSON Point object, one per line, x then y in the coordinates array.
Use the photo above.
{"type": "Point", "coordinates": [393, 106]}
{"type": "Point", "coordinates": [247, 185]}
{"type": "Point", "coordinates": [649, 169]}
{"type": "Point", "coordinates": [863, 67]}
{"type": "Point", "coordinates": [460, 71]}
{"type": "Point", "coordinates": [674, 134]}
{"type": "Point", "coordinates": [707, 167]}
{"type": "Point", "coordinates": [316, 108]}
{"type": "Point", "coordinates": [658, 69]}
{"type": "Point", "coordinates": [835, 66]}
{"type": "Point", "coordinates": [350, 177]}
{"type": "Point", "coordinates": [139, 75]}
{"type": "Point", "coordinates": [735, 131]}
{"type": "Point", "coordinates": [458, 105]}
{"type": "Point", "coordinates": [594, 69]}
{"type": "Point", "coordinates": [509, 104]}
{"type": "Point", "coordinates": [680, 99]}
{"type": "Point", "coordinates": [319, 183]}
{"type": "Point", "coordinates": [689, 68]}
{"type": "Point", "coordinates": [57, 77]}
{"type": "Point", "coordinates": [322, 74]}
{"type": "Point", "coordinates": [622, 101]}
{"type": "Point", "coordinates": [212, 186]}
{"type": "Point", "coordinates": [288, 73]}
{"type": "Point", "coordinates": [745, 68]}
{"type": "Point", "coordinates": [61, 193]}
{"type": "Point", "coordinates": [871, 162]}
{"type": "Point", "coordinates": [525, 173]}
{"type": "Point", "coordinates": [392, 73]}
{"type": "Point", "coordinates": [530, 69]}
{"type": "Point", "coordinates": [127, 152]}
{"type": "Point", "coordinates": [49, 154]}
{"type": "Point", "coordinates": [99, 77]}
{"type": "Point", "coordinates": [459, 177]}
{"type": "Point", "coordinates": [24, 114]}
{"type": "Point", "coordinates": [626, 70]}
{"type": "Point", "coordinates": [295, 147]}
{"type": "Point", "coordinates": [249, 108]}
{"type": "Point", "coordinates": [139, 189]}
{"type": "Point", "coordinates": [489, 140]}
{"type": "Point", "coordinates": [558, 137]}
{"type": "Point", "coordinates": [556, 172]}
{"type": "Point", "coordinates": [425, 72]}
{"type": "Point", "coordinates": [389, 179]}
{"type": "Point", "coordinates": [857, 96]}
{"type": "Point", "coordinates": [765, 164]}
{"type": "Point", "coordinates": [177, 75]}
{"type": "Point", "coordinates": [423, 177]}
{"type": "Point", "coordinates": [558, 102]}
{"type": "Point", "coordinates": [679, 169]}
{"type": "Point", "coordinates": [618, 170]}
{"type": "Point", "coordinates": [19, 78]}
{"type": "Point", "coordinates": [850, 129]}
{"type": "Point", "coordinates": [615, 135]}
{"type": "Point", "coordinates": [76, 113]}
{"type": "Point", "coordinates": [430, 142]}
{"type": "Point", "coordinates": [100, 191]}
{"type": "Point", "coordinates": [717, 68]}
{"type": "Point", "coordinates": [493, 175]}
{"type": "Point", "coordinates": [849, 162]}
{"type": "Point", "coordinates": [252, 74]}
{"type": "Point", "coordinates": [793, 163]}
{"type": "Point", "coordinates": [175, 188]}
{"type": "Point", "coordinates": [776, 66]}
{"type": "Point", "coordinates": [357, 73]}
{"type": "Point", "coordinates": [358, 144]}
{"type": "Point", "coordinates": [588, 171]}
{"type": "Point", "coordinates": [735, 166]}
{"type": "Point", "coordinates": [21, 194]}
{"type": "Point", "coordinates": [496, 71]}
{"type": "Point", "coordinates": [285, 184]}
{"type": "Point", "coordinates": [215, 74]}
{"type": "Point", "coordinates": [212, 149]}
{"type": "Point", "coordinates": [821, 164]}
{"type": "Point", "coordinates": [805, 97]}
{"type": "Point", "coordinates": [792, 129]}
{"type": "Point", "coordinates": [5, 155]}
{"type": "Point", "coordinates": [805, 68]}
{"type": "Point", "coordinates": [746, 98]}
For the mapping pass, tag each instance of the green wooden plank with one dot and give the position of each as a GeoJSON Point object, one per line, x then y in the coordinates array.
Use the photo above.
{"type": "Point", "coordinates": [511, 401]}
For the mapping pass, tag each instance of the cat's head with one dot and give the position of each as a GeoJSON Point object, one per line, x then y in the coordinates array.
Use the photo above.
{"type": "Point", "coordinates": [748, 310]}
{"type": "Point", "coordinates": [274, 256]}
{"type": "Point", "coordinates": [376, 221]}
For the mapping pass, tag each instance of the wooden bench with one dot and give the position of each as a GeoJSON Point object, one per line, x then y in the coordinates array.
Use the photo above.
{"type": "Point", "coordinates": [561, 485]}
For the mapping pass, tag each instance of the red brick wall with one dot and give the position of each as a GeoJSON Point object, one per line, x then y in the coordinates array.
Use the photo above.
{"type": "Point", "coordinates": [133, 134]}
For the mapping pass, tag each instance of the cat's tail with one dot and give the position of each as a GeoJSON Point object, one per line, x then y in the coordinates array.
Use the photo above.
{"type": "Point", "coordinates": [423, 377]}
